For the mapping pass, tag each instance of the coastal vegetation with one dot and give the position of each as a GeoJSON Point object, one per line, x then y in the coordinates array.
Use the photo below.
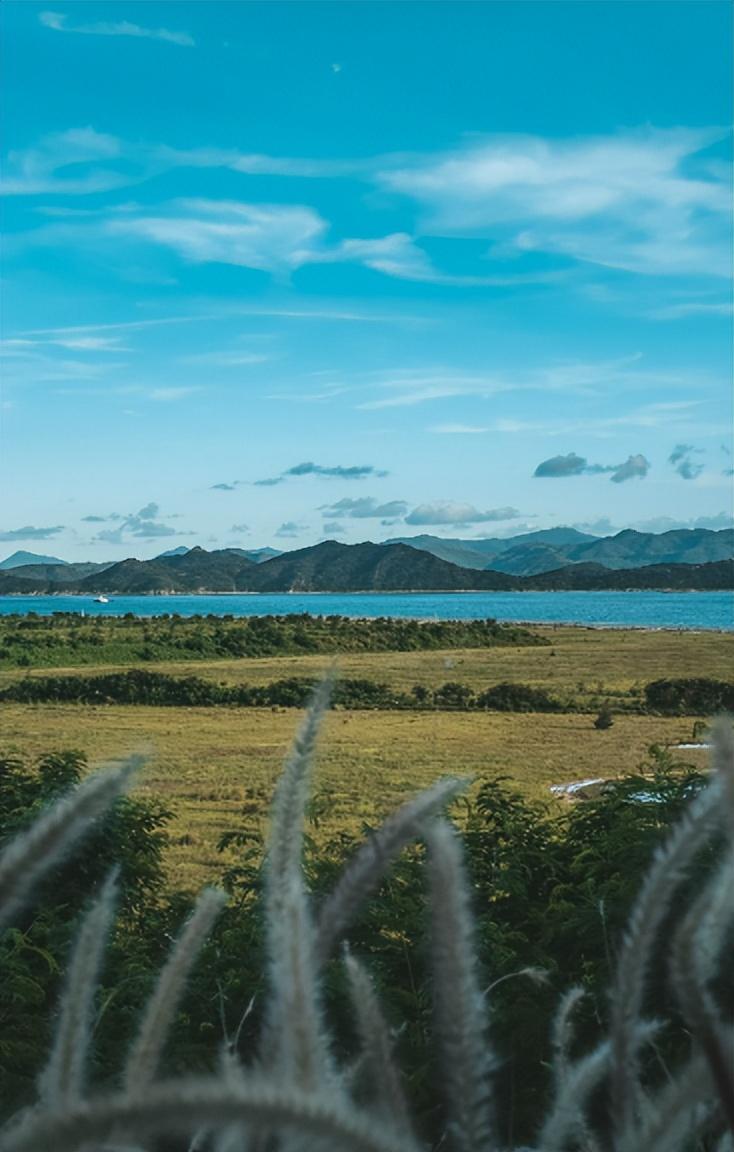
{"type": "Point", "coordinates": [68, 639]}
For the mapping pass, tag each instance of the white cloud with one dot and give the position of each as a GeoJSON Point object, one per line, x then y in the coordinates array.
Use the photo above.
{"type": "Point", "coordinates": [640, 200]}
{"type": "Point", "coordinates": [169, 395]}
{"type": "Point", "coordinates": [408, 387]}
{"type": "Point", "coordinates": [633, 201]}
{"type": "Point", "coordinates": [40, 169]}
{"type": "Point", "coordinates": [58, 21]}
{"type": "Point", "coordinates": [364, 508]}
{"type": "Point", "coordinates": [693, 308]}
{"type": "Point", "coordinates": [452, 512]}
{"type": "Point", "coordinates": [269, 237]}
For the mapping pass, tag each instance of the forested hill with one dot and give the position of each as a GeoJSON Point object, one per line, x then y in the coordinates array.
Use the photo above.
{"type": "Point", "coordinates": [549, 549]}
{"type": "Point", "coordinates": [334, 567]}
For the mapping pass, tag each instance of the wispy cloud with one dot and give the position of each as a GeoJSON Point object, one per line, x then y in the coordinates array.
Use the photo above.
{"type": "Point", "coordinates": [59, 22]}
{"type": "Point", "coordinates": [31, 533]}
{"type": "Point", "coordinates": [365, 508]}
{"type": "Point", "coordinates": [453, 512]}
{"type": "Point", "coordinates": [640, 200]}
{"type": "Point", "coordinates": [333, 471]}
{"type": "Point", "coordinates": [636, 200]}
{"type": "Point", "coordinates": [268, 237]}
{"type": "Point", "coordinates": [410, 387]}
{"type": "Point", "coordinates": [44, 168]}
{"type": "Point", "coordinates": [170, 395]}
{"type": "Point", "coordinates": [658, 415]}
{"type": "Point", "coordinates": [682, 460]}
{"type": "Point", "coordinates": [289, 530]}
{"type": "Point", "coordinates": [693, 308]}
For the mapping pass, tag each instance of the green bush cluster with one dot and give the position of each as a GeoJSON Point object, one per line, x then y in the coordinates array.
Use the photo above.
{"type": "Point", "coordinates": [695, 696]}
{"type": "Point", "coordinates": [141, 686]}
{"type": "Point", "coordinates": [69, 638]}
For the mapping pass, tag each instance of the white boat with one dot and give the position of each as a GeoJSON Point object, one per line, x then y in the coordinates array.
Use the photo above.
{"type": "Point", "coordinates": [101, 600]}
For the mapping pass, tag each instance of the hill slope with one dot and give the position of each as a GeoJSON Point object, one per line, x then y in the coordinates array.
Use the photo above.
{"type": "Point", "coordinates": [334, 567]}
{"type": "Point", "coordinates": [18, 559]}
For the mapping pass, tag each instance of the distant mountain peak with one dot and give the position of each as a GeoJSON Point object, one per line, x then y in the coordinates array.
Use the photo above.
{"type": "Point", "coordinates": [180, 551]}
{"type": "Point", "coordinates": [18, 559]}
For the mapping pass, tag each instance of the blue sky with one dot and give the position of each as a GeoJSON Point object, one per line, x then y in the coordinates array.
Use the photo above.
{"type": "Point", "coordinates": [280, 272]}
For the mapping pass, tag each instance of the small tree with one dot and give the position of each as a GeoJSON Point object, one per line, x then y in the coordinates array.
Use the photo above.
{"type": "Point", "coordinates": [605, 719]}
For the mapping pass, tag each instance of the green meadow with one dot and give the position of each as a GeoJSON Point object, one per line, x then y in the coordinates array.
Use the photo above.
{"type": "Point", "coordinates": [215, 767]}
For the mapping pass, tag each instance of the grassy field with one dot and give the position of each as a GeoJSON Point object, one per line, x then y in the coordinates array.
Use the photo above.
{"type": "Point", "coordinates": [210, 764]}
{"type": "Point", "coordinates": [579, 663]}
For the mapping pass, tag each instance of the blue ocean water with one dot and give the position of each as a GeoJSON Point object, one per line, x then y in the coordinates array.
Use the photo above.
{"type": "Point", "coordinates": [689, 610]}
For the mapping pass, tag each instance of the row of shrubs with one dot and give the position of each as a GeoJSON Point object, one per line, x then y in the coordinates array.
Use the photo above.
{"type": "Point", "coordinates": [140, 686]}
{"type": "Point", "coordinates": [33, 640]}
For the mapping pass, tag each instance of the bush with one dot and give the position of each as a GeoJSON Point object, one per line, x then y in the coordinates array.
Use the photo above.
{"type": "Point", "coordinates": [694, 696]}
{"type": "Point", "coordinates": [605, 719]}
{"type": "Point", "coordinates": [517, 698]}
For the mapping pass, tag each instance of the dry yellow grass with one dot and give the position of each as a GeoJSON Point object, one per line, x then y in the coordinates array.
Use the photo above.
{"type": "Point", "coordinates": [207, 763]}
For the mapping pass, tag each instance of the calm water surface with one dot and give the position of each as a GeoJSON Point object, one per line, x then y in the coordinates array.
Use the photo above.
{"type": "Point", "coordinates": [690, 610]}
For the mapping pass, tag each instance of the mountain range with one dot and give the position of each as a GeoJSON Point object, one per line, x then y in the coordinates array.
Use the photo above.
{"type": "Point", "coordinates": [553, 548]}
{"type": "Point", "coordinates": [397, 566]}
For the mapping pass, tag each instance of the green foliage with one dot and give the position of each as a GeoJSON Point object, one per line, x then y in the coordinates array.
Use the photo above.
{"type": "Point", "coordinates": [69, 639]}
{"type": "Point", "coordinates": [690, 697]}
{"type": "Point", "coordinates": [140, 686]}
{"type": "Point", "coordinates": [605, 718]}
{"type": "Point", "coordinates": [518, 698]}
{"type": "Point", "coordinates": [132, 838]}
{"type": "Point", "coordinates": [552, 890]}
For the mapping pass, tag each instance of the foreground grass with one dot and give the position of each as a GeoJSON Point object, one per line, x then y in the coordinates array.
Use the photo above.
{"type": "Point", "coordinates": [211, 764]}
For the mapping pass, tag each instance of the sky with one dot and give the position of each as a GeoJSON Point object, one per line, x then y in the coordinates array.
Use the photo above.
{"type": "Point", "coordinates": [279, 272]}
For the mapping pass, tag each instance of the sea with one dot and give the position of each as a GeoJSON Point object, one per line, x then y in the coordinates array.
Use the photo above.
{"type": "Point", "coordinates": [696, 611]}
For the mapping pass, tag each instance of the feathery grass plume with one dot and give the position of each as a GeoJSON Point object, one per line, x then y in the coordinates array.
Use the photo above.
{"type": "Point", "coordinates": [145, 1054]}
{"type": "Point", "coordinates": [652, 905]}
{"type": "Point", "coordinates": [233, 1137]}
{"type": "Point", "coordinates": [696, 950]}
{"type": "Point", "coordinates": [722, 758]}
{"type": "Point", "coordinates": [285, 842]}
{"type": "Point", "coordinates": [562, 1032]}
{"type": "Point", "coordinates": [55, 832]}
{"type": "Point", "coordinates": [459, 1006]}
{"type": "Point", "coordinates": [670, 1119]}
{"type": "Point", "coordinates": [370, 863]}
{"type": "Point", "coordinates": [377, 1049]}
{"type": "Point", "coordinates": [561, 1040]}
{"type": "Point", "coordinates": [62, 1080]}
{"type": "Point", "coordinates": [294, 1041]}
{"type": "Point", "coordinates": [566, 1119]}
{"type": "Point", "coordinates": [185, 1105]}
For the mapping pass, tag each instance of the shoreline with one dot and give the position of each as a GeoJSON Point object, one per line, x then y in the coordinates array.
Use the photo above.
{"type": "Point", "coordinates": [89, 596]}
